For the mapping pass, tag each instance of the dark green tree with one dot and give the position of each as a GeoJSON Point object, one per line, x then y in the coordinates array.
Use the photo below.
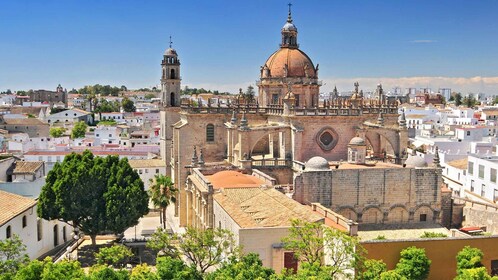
{"type": "Point", "coordinates": [413, 264]}
{"type": "Point", "coordinates": [12, 255]}
{"type": "Point", "coordinates": [32, 271]}
{"type": "Point", "coordinates": [247, 267]}
{"type": "Point", "coordinates": [79, 130]}
{"type": "Point", "coordinates": [101, 272]}
{"type": "Point", "coordinates": [94, 194]}
{"type": "Point", "coordinates": [458, 99]}
{"type": "Point", "coordinates": [63, 270]}
{"type": "Point", "coordinates": [128, 105]}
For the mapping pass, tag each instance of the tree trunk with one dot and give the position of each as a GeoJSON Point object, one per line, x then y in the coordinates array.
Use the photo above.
{"type": "Point", "coordinates": [94, 239]}
{"type": "Point", "coordinates": [164, 217]}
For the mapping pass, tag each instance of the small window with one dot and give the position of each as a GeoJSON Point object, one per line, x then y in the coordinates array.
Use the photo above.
{"type": "Point", "coordinates": [492, 175]}
{"type": "Point", "coordinates": [24, 221]}
{"type": "Point", "coordinates": [140, 171]}
{"type": "Point", "coordinates": [146, 171]}
{"type": "Point", "coordinates": [210, 133]}
{"type": "Point", "coordinates": [481, 171]}
{"type": "Point", "coordinates": [157, 171]}
{"type": "Point", "coordinates": [483, 190]}
{"type": "Point", "coordinates": [471, 167]}
{"type": "Point", "coordinates": [423, 217]}
{"type": "Point", "coordinates": [468, 133]}
{"type": "Point", "coordinates": [8, 232]}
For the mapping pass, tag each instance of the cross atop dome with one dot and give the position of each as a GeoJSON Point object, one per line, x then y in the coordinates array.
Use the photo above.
{"type": "Point", "coordinates": [170, 42]}
{"type": "Point", "coordinates": [289, 32]}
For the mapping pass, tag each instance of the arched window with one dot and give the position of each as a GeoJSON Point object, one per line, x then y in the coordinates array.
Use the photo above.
{"type": "Point", "coordinates": [172, 74]}
{"type": "Point", "coordinates": [39, 229]}
{"type": "Point", "coordinates": [210, 133]}
{"type": "Point", "coordinates": [24, 222]}
{"type": "Point", "coordinates": [8, 232]}
{"type": "Point", "coordinates": [172, 99]}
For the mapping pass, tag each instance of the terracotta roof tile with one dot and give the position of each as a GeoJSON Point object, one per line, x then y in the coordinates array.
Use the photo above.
{"type": "Point", "coordinates": [144, 163]}
{"type": "Point", "coordinates": [27, 166]}
{"type": "Point", "coordinates": [12, 205]}
{"type": "Point", "coordinates": [262, 207]}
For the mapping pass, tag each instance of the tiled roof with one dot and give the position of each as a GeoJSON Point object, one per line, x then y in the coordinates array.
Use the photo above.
{"type": "Point", "coordinates": [28, 121]}
{"type": "Point", "coordinates": [27, 166]}
{"type": "Point", "coordinates": [262, 207]}
{"type": "Point", "coordinates": [144, 163]}
{"type": "Point", "coordinates": [12, 205]}
{"type": "Point", "coordinates": [27, 110]}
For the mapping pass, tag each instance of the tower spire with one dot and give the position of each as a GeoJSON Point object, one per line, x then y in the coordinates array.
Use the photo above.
{"type": "Point", "coordinates": [289, 17]}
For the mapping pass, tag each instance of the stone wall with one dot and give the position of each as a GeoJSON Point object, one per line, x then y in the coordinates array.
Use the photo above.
{"type": "Point", "coordinates": [377, 195]}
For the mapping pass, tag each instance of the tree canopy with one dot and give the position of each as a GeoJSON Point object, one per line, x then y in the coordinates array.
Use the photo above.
{"type": "Point", "coordinates": [413, 264]}
{"type": "Point", "coordinates": [12, 255]}
{"type": "Point", "coordinates": [128, 105]}
{"type": "Point", "coordinates": [57, 131]}
{"type": "Point", "coordinates": [94, 194]}
{"type": "Point", "coordinates": [79, 130]}
{"type": "Point", "coordinates": [162, 193]}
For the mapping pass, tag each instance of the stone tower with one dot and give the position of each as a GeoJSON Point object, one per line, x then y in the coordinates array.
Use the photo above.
{"type": "Point", "coordinates": [170, 79]}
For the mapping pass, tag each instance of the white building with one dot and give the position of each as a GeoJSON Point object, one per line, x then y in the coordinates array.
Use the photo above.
{"type": "Point", "coordinates": [106, 134]}
{"type": "Point", "coordinates": [18, 216]}
{"type": "Point", "coordinates": [481, 176]}
{"type": "Point", "coordinates": [148, 168]}
{"type": "Point", "coordinates": [70, 116]}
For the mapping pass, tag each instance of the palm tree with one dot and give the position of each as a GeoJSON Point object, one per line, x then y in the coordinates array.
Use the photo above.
{"type": "Point", "coordinates": [162, 192]}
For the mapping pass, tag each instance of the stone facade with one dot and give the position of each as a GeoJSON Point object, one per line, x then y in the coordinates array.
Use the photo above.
{"type": "Point", "coordinates": [384, 194]}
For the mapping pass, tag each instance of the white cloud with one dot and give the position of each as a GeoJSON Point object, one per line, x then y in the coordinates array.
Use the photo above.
{"type": "Point", "coordinates": [462, 84]}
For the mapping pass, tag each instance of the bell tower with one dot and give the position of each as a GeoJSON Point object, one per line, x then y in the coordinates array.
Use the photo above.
{"type": "Point", "coordinates": [170, 78]}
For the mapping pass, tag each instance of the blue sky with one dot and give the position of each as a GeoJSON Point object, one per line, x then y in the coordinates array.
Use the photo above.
{"type": "Point", "coordinates": [221, 44]}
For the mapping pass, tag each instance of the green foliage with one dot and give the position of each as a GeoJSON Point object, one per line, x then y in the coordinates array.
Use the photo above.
{"type": "Point", "coordinates": [458, 99]}
{"type": "Point", "coordinates": [95, 194]}
{"type": "Point", "coordinates": [162, 192]}
{"type": "Point", "coordinates": [468, 258]}
{"type": "Point", "coordinates": [150, 96]}
{"type": "Point", "coordinates": [55, 110]}
{"type": "Point", "coordinates": [104, 106]}
{"type": "Point", "coordinates": [100, 90]}
{"type": "Point", "coordinates": [392, 275]}
{"type": "Point", "coordinates": [380, 237]}
{"type": "Point", "coordinates": [372, 269]}
{"type": "Point", "coordinates": [163, 242]}
{"type": "Point", "coordinates": [57, 131]}
{"type": "Point", "coordinates": [478, 273]}
{"type": "Point", "coordinates": [248, 267]}
{"type": "Point", "coordinates": [175, 269]}
{"type": "Point", "coordinates": [469, 101]}
{"type": "Point", "coordinates": [413, 264]}
{"type": "Point", "coordinates": [128, 105]}
{"type": "Point", "coordinates": [428, 234]}
{"type": "Point", "coordinates": [114, 255]}
{"type": "Point", "coordinates": [143, 272]}
{"type": "Point", "coordinates": [207, 248]}
{"type": "Point", "coordinates": [107, 122]}
{"type": "Point", "coordinates": [12, 254]}
{"type": "Point", "coordinates": [191, 91]}
{"type": "Point", "coordinates": [100, 272]}
{"type": "Point", "coordinates": [62, 270]}
{"type": "Point", "coordinates": [79, 130]}
{"type": "Point", "coordinates": [306, 241]}
{"type": "Point", "coordinates": [32, 271]}
{"type": "Point", "coordinates": [31, 116]}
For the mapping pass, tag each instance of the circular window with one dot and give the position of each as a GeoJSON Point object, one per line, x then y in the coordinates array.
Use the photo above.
{"type": "Point", "coordinates": [327, 138]}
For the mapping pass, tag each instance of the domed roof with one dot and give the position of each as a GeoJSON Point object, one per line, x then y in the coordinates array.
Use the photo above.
{"type": "Point", "coordinates": [358, 141]}
{"type": "Point", "coordinates": [298, 64]}
{"type": "Point", "coordinates": [415, 161]}
{"type": "Point", "coordinates": [316, 164]}
{"type": "Point", "coordinates": [170, 51]}
{"type": "Point", "coordinates": [233, 179]}
{"type": "Point", "coordinates": [289, 26]}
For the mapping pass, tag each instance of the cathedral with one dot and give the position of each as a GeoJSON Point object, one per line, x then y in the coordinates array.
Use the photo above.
{"type": "Point", "coordinates": [348, 154]}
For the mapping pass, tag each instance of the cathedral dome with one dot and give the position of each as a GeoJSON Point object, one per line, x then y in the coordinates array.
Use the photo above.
{"type": "Point", "coordinates": [316, 164]}
{"type": "Point", "coordinates": [298, 64]}
{"type": "Point", "coordinates": [415, 161]}
{"type": "Point", "coordinates": [289, 26]}
{"type": "Point", "coordinates": [357, 141]}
